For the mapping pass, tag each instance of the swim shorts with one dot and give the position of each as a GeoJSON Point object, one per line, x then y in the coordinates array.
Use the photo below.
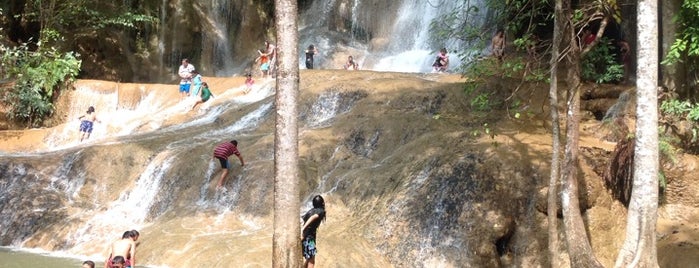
{"type": "Point", "coordinates": [264, 66]}
{"type": "Point", "coordinates": [86, 126]}
{"type": "Point", "coordinates": [184, 88]}
{"type": "Point", "coordinates": [224, 162]}
{"type": "Point", "coordinates": [309, 247]}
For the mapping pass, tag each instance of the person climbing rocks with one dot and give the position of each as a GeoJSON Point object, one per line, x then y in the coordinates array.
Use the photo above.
{"type": "Point", "coordinates": [222, 152]}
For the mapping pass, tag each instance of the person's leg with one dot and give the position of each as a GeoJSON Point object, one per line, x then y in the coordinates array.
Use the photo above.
{"type": "Point", "coordinates": [310, 263]}
{"type": "Point", "coordinates": [223, 178]}
{"type": "Point", "coordinates": [196, 103]}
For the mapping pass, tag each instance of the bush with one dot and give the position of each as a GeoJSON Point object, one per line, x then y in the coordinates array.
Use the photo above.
{"type": "Point", "coordinates": [600, 64]}
{"type": "Point", "coordinates": [36, 76]}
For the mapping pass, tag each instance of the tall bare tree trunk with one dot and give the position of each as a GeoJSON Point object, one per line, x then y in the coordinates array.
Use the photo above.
{"type": "Point", "coordinates": [639, 249]}
{"type": "Point", "coordinates": [579, 249]}
{"type": "Point", "coordinates": [552, 209]}
{"type": "Point", "coordinates": [286, 248]}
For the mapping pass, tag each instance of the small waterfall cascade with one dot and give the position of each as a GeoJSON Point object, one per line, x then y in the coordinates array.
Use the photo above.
{"type": "Point", "coordinates": [215, 16]}
{"type": "Point", "coordinates": [400, 43]}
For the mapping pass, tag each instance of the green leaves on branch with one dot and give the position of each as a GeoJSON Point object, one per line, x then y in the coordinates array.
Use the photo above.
{"type": "Point", "coordinates": [687, 39]}
{"type": "Point", "coordinates": [600, 64]}
{"type": "Point", "coordinates": [35, 76]}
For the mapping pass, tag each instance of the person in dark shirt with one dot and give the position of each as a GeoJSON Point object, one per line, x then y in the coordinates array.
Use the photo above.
{"type": "Point", "coordinates": [310, 52]}
{"type": "Point", "coordinates": [311, 221]}
{"type": "Point", "coordinates": [222, 152]}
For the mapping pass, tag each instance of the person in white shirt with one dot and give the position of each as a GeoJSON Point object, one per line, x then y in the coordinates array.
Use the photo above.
{"type": "Point", "coordinates": [185, 73]}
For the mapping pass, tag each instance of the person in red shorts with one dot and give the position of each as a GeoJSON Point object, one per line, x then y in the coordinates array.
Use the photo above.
{"type": "Point", "coordinates": [222, 152]}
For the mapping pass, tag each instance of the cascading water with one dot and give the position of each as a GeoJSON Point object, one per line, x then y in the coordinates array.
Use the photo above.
{"type": "Point", "coordinates": [376, 38]}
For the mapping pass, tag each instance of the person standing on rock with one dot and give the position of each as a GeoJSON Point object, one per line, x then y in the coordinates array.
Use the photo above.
{"type": "Point", "coordinates": [185, 73]}
{"type": "Point", "coordinates": [222, 152]}
{"type": "Point", "coordinates": [88, 120]}
{"type": "Point", "coordinates": [310, 52]}
{"type": "Point", "coordinates": [311, 221]}
{"type": "Point", "coordinates": [271, 51]}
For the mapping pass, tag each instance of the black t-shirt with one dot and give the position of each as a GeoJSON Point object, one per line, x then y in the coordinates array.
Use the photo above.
{"type": "Point", "coordinates": [313, 227]}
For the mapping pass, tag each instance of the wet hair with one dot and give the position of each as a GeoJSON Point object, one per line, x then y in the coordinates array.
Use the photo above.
{"type": "Point", "coordinates": [311, 47]}
{"type": "Point", "coordinates": [118, 260]}
{"type": "Point", "coordinates": [234, 142]}
{"type": "Point", "coordinates": [90, 109]}
{"type": "Point", "coordinates": [319, 203]}
{"type": "Point", "coordinates": [89, 263]}
{"type": "Point", "coordinates": [134, 233]}
{"type": "Point", "coordinates": [126, 234]}
{"type": "Point", "coordinates": [443, 50]}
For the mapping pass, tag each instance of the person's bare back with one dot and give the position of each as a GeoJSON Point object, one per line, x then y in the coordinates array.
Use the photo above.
{"type": "Point", "coordinates": [125, 247]}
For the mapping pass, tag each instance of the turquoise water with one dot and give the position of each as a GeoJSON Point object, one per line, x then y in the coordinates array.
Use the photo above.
{"type": "Point", "coordinates": [20, 259]}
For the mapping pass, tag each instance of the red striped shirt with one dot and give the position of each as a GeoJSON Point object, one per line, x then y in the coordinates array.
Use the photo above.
{"type": "Point", "coordinates": [226, 149]}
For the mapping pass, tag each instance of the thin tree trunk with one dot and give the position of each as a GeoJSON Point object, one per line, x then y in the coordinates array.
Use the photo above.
{"type": "Point", "coordinates": [286, 248]}
{"type": "Point", "coordinates": [579, 249]}
{"type": "Point", "coordinates": [639, 248]}
{"type": "Point", "coordinates": [552, 208]}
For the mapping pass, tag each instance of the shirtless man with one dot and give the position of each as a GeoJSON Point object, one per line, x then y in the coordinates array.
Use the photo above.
{"type": "Point", "coordinates": [126, 246]}
{"type": "Point", "coordinates": [497, 45]}
{"type": "Point", "coordinates": [271, 51]}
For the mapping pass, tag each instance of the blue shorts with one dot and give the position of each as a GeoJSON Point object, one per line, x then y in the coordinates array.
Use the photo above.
{"type": "Point", "coordinates": [224, 162]}
{"type": "Point", "coordinates": [184, 88]}
{"type": "Point", "coordinates": [264, 66]}
{"type": "Point", "coordinates": [309, 247]}
{"type": "Point", "coordinates": [86, 126]}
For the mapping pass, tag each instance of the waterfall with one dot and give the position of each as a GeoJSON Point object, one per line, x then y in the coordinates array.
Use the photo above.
{"type": "Point", "coordinates": [381, 36]}
{"type": "Point", "coordinates": [215, 15]}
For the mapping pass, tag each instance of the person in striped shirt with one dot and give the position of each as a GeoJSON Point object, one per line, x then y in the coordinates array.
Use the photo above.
{"type": "Point", "coordinates": [222, 152]}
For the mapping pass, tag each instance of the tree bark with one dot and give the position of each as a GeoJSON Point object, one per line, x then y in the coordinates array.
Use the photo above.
{"type": "Point", "coordinates": [579, 249]}
{"type": "Point", "coordinates": [556, 139]}
{"type": "Point", "coordinates": [286, 248]}
{"type": "Point", "coordinates": [639, 248]}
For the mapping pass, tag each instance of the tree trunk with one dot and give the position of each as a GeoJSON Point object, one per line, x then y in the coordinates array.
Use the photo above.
{"type": "Point", "coordinates": [639, 248]}
{"type": "Point", "coordinates": [286, 248]}
{"type": "Point", "coordinates": [579, 249]}
{"type": "Point", "coordinates": [673, 76]}
{"type": "Point", "coordinates": [556, 139]}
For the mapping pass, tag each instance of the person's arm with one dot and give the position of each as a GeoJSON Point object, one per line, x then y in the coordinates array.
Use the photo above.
{"type": "Point", "coordinates": [109, 256]}
{"type": "Point", "coordinates": [242, 163]}
{"type": "Point", "coordinates": [133, 253]}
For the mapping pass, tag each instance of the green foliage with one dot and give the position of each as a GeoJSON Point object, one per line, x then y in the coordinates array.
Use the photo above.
{"type": "Point", "coordinates": [666, 148]}
{"type": "Point", "coordinates": [674, 110]}
{"type": "Point", "coordinates": [680, 109]}
{"type": "Point", "coordinates": [36, 76]}
{"type": "Point", "coordinates": [74, 18]}
{"type": "Point", "coordinates": [600, 64]}
{"type": "Point", "coordinates": [685, 43]}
